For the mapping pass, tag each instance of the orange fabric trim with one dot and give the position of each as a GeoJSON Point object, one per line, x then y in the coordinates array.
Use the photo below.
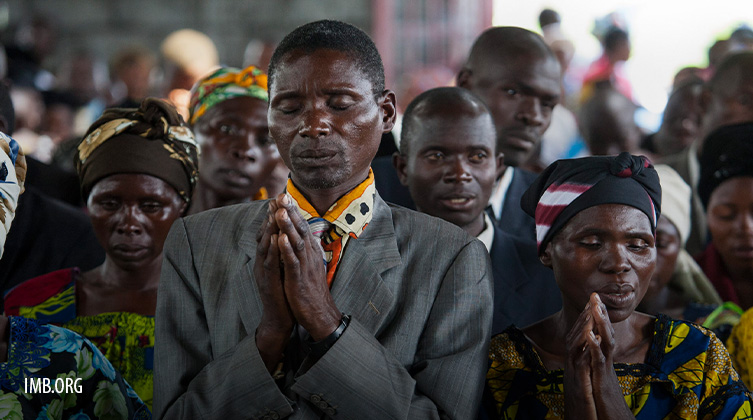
{"type": "Point", "coordinates": [300, 199]}
{"type": "Point", "coordinates": [343, 203]}
{"type": "Point", "coordinates": [340, 205]}
{"type": "Point", "coordinates": [335, 248]}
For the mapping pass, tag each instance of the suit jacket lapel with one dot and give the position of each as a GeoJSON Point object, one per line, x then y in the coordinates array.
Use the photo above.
{"type": "Point", "coordinates": [248, 299]}
{"type": "Point", "coordinates": [359, 288]}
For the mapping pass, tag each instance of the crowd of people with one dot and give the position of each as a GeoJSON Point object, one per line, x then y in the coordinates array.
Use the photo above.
{"type": "Point", "coordinates": [272, 244]}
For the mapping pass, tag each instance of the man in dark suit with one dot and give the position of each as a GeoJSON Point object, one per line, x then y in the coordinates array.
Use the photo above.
{"type": "Point", "coordinates": [388, 315]}
{"type": "Point", "coordinates": [518, 77]}
{"type": "Point", "coordinates": [448, 161]}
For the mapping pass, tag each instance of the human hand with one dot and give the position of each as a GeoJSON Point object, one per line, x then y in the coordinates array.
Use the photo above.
{"type": "Point", "coordinates": [578, 387]}
{"type": "Point", "coordinates": [607, 394]}
{"type": "Point", "coordinates": [277, 320]}
{"type": "Point", "coordinates": [305, 278]}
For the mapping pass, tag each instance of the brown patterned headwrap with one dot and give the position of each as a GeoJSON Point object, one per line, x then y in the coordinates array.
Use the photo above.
{"type": "Point", "coordinates": [151, 140]}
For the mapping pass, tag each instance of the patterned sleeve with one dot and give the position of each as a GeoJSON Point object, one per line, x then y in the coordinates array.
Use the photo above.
{"type": "Point", "coordinates": [724, 396]}
{"type": "Point", "coordinates": [53, 372]}
{"type": "Point", "coordinates": [740, 345]}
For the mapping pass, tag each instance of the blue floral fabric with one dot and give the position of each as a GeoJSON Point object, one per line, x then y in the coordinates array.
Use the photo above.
{"type": "Point", "coordinates": [95, 389]}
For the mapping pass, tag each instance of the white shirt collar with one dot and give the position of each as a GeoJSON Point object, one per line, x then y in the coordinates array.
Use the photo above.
{"type": "Point", "coordinates": [487, 235]}
{"type": "Point", "coordinates": [497, 200]}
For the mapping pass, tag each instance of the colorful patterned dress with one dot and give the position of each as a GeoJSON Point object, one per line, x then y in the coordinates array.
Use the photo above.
{"type": "Point", "coordinates": [687, 374]}
{"type": "Point", "coordinates": [36, 350]}
{"type": "Point", "coordinates": [125, 338]}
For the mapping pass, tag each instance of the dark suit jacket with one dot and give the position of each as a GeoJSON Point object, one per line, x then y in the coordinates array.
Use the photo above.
{"type": "Point", "coordinates": [513, 219]}
{"type": "Point", "coordinates": [388, 183]}
{"type": "Point", "coordinates": [419, 292]}
{"type": "Point", "coordinates": [524, 289]}
{"type": "Point", "coordinates": [47, 235]}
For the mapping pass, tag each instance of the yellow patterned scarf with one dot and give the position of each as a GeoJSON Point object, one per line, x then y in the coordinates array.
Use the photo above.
{"type": "Point", "coordinates": [346, 219]}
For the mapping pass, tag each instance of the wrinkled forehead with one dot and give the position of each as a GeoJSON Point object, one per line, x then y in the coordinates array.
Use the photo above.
{"type": "Point", "coordinates": [304, 65]}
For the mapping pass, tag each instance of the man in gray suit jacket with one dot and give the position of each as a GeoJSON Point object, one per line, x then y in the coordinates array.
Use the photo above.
{"type": "Point", "coordinates": [250, 322]}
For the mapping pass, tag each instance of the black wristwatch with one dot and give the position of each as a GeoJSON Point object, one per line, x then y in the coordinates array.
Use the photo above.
{"type": "Point", "coordinates": [318, 348]}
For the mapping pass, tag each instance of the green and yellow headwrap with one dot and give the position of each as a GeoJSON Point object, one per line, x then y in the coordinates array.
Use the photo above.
{"type": "Point", "coordinates": [223, 84]}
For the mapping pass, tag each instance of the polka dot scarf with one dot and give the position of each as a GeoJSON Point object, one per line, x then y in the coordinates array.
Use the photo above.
{"type": "Point", "coordinates": [345, 219]}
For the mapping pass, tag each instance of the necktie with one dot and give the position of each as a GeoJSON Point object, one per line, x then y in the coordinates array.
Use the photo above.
{"type": "Point", "coordinates": [319, 227]}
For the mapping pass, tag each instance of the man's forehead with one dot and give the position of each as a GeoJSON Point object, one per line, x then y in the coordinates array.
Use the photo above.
{"type": "Point", "coordinates": [458, 132]}
{"type": "Point", "coordinates": [340, 67]}
{"type": "Point", "coordinates": [318, 56]}
{"type": "Point", "coordinates": [518, 66]}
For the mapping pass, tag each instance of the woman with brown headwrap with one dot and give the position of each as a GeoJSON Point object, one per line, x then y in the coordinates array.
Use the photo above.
{"type": "Point", "coordinates": [34, 354]}
{"type": "Point", "coordinates": [138, 170]}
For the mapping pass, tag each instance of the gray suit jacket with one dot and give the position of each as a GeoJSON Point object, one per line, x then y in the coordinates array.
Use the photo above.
{"type": "Point", "coordinates": [419, 291]}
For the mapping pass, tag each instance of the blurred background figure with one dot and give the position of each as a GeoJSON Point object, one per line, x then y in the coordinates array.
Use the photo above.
{"type": "Point", "coordinates": [678, 286]}
{"type": "Point", "coordinates": [29, 106]}
{"type": "Point", "coordinates": [187, 56]}
{"type": "Point", "coordinates": [85, 77]}
{"type": "Point", "coordinates": [725, 100]}
{"type": "Point", "coordinates": [609, 67]}
{"type": "Point", "coordinates": [47, 234]}
{"type": "Point", "coordinates": [33, 42]}
{"type": "Point", "coordinates": [562, 139]}
{"type": "Point", "coordinates": [132, 71]}
{"type": "Point", "coordinates": [607, 122]}
{"type": "Point", "coordinates": [726, 191]}
{"type": "Point", "coordinates": [681, 123]}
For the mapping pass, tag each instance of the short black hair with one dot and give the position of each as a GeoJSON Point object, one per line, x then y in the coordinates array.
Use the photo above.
{"type": "Point", "coordinates": [463, 100]}
{"type": "Point", "coordinates": [548, 17]}
{"type": "Point", "coordinates": [613, 37]}
{"type": "Point", "coordinates": [7, 111]}
{"type": "Point", "coordinates": [333, 35]}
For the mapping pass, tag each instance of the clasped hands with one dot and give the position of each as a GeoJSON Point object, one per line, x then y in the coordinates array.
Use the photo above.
{"type": "Point", "coordinates": [292, 283]}
{"type": "Point", "coordinates": [592, 390]}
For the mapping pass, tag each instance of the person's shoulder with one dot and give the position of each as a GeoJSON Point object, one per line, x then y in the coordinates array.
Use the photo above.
{"type": "Point", "coordinates": [525, 176]}
{"type": "Point", "coordinates": [429, 231]}
{"type": "Point", "coordinates": [687, 345]}
{"type": "Point", "coordinates": [48, 208]}
{"type": "Point", "coordinates": [505, 344]}
{"type": "Point", "coordinates": [221, 220]}
{"type": "Point", "coordinates": [39, 289]}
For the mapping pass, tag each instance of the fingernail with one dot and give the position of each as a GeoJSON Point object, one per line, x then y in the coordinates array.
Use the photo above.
{"type": "Point", "coordinates": [285, 200]}
{"type": "Point", "coordinates": [285, 238]}
{"type": "Point", "coordinates": [284, 215]}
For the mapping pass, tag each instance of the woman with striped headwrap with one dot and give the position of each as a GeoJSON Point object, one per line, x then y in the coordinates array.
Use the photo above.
{"type": "Point", "coordinates": [228, 114]}
{"type": "Point", "coordinates": [597, 358]}
{"type": "Point", "coordinates": [138, 170]}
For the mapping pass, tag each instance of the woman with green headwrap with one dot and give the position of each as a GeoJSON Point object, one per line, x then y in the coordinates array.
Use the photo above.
{"type": "Point", "coordinates": [138, 170]}
{"type": "Point", "coordinates": [228, 114]}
